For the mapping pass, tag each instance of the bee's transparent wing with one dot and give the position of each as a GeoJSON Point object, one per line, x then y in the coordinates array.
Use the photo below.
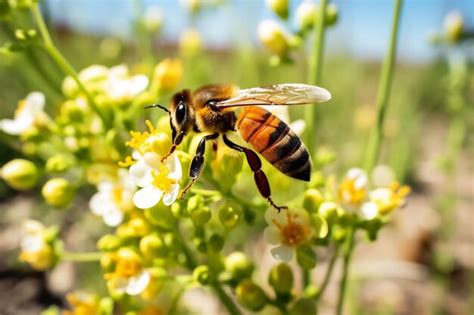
{"type": "Point", "coordinates": [278, 94]}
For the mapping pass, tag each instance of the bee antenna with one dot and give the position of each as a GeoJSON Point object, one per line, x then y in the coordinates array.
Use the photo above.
{"type": "Point", "coordinates": [159, 106]}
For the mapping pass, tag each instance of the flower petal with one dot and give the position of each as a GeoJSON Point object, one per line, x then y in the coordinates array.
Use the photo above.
{"type": "Point", "coordinates": [113, 217]}
{"type": "Point", "coordinates": [171, 196]}
{"type": "Point", "coordinates": [141, 173]}
{"type": "Point", "coordinates": [17, 126]}
{"type": "Point", "coordinates": [282, 252]}
{"type": "Point", "coordinates": [35, 102]}
{"type": "Point", "coordinates": [98, 203]}
{"type": "Point", "coordinates": [174, 165]}
{"type": "Point", "coordinates": [369, 210]}
{"type": "Point", "coordinates": [152, 159]}
{"type": "Point", "coordinates": [147, 197]}
{"type": "Point", "coordinates": [271, 234]}
{"type": "Point", "coordinates": [138, 284]}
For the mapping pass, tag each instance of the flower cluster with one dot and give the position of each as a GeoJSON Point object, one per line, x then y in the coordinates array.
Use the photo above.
{"type": "Point", "coordinates": [278, 40]}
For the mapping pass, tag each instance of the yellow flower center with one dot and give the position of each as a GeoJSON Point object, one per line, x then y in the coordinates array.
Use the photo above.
{"type": "Point", "coordinates": [20, 108]}
{"type": "Point", "coordinates": [127, 268]}
{"type": "Point", "coordinates": [161, 180]}
{"type": "Point", "coordinates": [81, 305]}
{"type": "Point", "coordinates": [292, 233]}
{"type": "Point", "coordinates": [395, 200]}
{"type": "Point", "coordinates": [351, 194]}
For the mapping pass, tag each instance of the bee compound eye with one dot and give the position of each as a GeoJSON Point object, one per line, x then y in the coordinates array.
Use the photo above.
{"type": "Point", "coordinates": [180, 113]}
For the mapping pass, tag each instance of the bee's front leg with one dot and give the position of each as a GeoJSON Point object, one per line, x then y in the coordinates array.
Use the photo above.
{"type": "Point", "coordinates": [197, 163]}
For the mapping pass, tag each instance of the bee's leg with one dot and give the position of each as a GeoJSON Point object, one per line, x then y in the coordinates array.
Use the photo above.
{"type": "Point", "coordinates": [255, 165]}
{"type": "Point", "coordinates": [198, 162]}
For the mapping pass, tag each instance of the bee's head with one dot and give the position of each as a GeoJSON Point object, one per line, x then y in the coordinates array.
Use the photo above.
{"type": "Point", "coordinates": [181, 115]}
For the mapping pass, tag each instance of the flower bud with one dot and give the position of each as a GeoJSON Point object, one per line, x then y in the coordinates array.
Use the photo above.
{"type": "Point", "coordinates": [193, 6]}
{"type": "Point", "coordinates": [331, 15]}
{"type": "Point", "coordinates": [305, 15]}
{"type": "Point", "coordinates": [216, 242]}
{"type": "Point", "coordinates": [20, 174]}
{"type": "Point", "coordinates": [238, 265]}
{"type": "Point", "coordinates": [274, 38]}
{"type": "Point", "coordinates": [453, 26]}
{"type": "Point", "coordinates": [250, 295]}
{"type": "Point", "coordinates": [303, 306]}
{"type": "Point", "coordinates": [153, 19]}
{"type": "Point", "coordinates": [202, 274]}
{"type": "Point", "coordinates": [107, 262]}
{"type": "Point", "coordinates": [108, 243]}
{"type": "Point", "coordinates": [306, 257]}
{"type": "Point", "coordinates": [160, 216]}
{"type": "Point", "coordinates": [230, 214]}
{"type": "Point", "coordinates": [152, 246]}
{"type": "Point", "coordinates": [190, 42]}
{"type": "Point", "coordinates": [58, 192]}
{"type": "Point", "coordinates": [281, 278]}
{"type": "Point", "coordinates": [328, 210]}
{"type": "Point", "coordinates": [279, 7]}
{"type": "Point", "coordinates": [321, 226]}
{"type": "Point", "coordinates": [159, 143]}
{"type": "Point", "coordinates": [200, 216]}
{"type": "Point", "coordinates": [312, 200]}
{"type": "Point", "coordinates": [59, 163]}
{"type": "Point", "coordinates": [167, 75]}
{"type": "Point", "coordinates": [138, 227]}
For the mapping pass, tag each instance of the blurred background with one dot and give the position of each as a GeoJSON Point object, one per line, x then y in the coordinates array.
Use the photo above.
{"type": "Point", "coordinates": [424, 262]}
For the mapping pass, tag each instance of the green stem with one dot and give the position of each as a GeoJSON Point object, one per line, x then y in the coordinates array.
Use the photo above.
{"type": "Point", "coordinates": [190, 261]}
{"type": "Point", "coordinates": [373, 148]}
{"type": "Point", "coordinates": [62, 62]}
{"type": "Point", "coordinates": [306, 277]}
{"type": "Point", "coordinates": [81, 257]}
{"type": "Point", "coordinates": [225, 299]}
{"type": "Point", "coordinates": [327, 276]}
{"type": "Point", "coordinates": [314, 75]}
{"type": "Point", "coordinates": [345, 270]}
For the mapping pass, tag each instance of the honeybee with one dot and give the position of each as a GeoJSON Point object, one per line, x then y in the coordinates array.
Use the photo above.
{"type": "Point", "coordinates": [211, 110]}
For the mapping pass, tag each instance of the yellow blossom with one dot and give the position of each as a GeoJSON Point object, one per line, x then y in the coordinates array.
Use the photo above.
{"type": "Point", "coordinates": [167, 75]}
{"type": "Point", "coordinates": [82, 304]}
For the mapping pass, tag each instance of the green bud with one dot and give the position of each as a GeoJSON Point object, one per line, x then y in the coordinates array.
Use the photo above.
{"type": "Point", "coordinates": [305, 15]}
{"type": "Point", "coordinates": [194, 203]}
{"type": "Point", "coordinates": [202, 274]}
{"type": "Point", "coordinates": [238, 265]}
{"type": "Point", "coordinates": [339, 233]}
{"type": "Point", "coordinates": [152, 246]}
{"type": "Point", "coordinates": [20, 174]}
{"type": "Point", "coordinates": [321, 227]}
{"type": "Point", "coordinates": [279, 7]}
{"type": "Point", "coordinates": [332, 14]}
{"type": "Point", "coordinates": [250, 295]}
{"type": "Point", "coordinates": [70, 88]}
{"type": "Point", "coordinates": [200, 216]}
{"type": "Point", "coordinates": [303, 306]}
{"type": "Point", "coordinates": [454, 26]}
{"type": "Point", "coordinates": [373, 227]}
{"type": "Point", "coordinates": [160, 216]}
{"type": "Point", "coordinates": [59, 163]}
{"type": "Point", "coordinates": [201, 245]}
{"type": "Point", "coordinates": [274, 38]}
{"type": "Point", "coordinates": [177, 210]}
{"type": "Point", "coordinates": [306, 257]}
{"type": "Point", "coordinates": [107, 262]}
{"type": "Point", "coordinates": [58, 192]}
{"type": "Point", "coordinates": [281, 278]}
{"type": "Point", "coordinates": [312, 200]}
{"type": "Point", "coordinates": [109, 242]}
{"type": "Point", "coordinates": [216, 242]}
{"type": "Point", "coordinates": [329, 211]}
{"type": "Point", "coordinates": [230, 214]}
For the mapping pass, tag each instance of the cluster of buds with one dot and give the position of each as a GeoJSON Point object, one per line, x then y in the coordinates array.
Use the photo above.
{"type": "Point", "coordinates": [278, 40]}
{"type": "Point", "coordinates": [454, 30]}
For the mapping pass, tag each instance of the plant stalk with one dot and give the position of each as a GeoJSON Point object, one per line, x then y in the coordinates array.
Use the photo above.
{"type": "Point", "coordinates": [314, 75]}
{"type": "Point", "coordinates": [81, 257]}
{"type": "Point", "coordinates": [375, 140]}
{"type": "Point", "coordinates": [345, 271]}
{"type": "Point", "coordinates": [62, 62]}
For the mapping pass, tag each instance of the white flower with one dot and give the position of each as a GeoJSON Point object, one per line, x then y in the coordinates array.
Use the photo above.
{"type": "Point", "coordinates": [287, 230]}
{"type": "Point", "coordinates": [132, 285]}
{"type": "Point", "coordinates": [353, 190]}
{"type": "Point", "coordinates": [121, 87]}
{"type": "Point", "coordinates": [28, 112]}
{"type": "Point", "coordinates": [113, 199]}
{"type": "Point", "coordinates": [35, 249]}
{"type": "Point", "coordinates": [157, 180]}
{"type": "Point", "coordinates": [153, 18]}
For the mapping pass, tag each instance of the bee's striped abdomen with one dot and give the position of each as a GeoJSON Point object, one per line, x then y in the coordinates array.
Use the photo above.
{"type": "Point", "coordinates": [275, 141]}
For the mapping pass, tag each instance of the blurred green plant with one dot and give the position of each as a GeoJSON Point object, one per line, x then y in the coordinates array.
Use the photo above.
{"type": "Point", "coordinates": [160, 247]}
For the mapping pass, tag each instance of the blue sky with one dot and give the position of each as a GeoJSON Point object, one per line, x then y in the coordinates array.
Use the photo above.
{"type": "Point", "coordinates": [362, 31]}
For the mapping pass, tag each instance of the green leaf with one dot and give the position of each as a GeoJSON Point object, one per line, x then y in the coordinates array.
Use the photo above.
{"type": "Point", "coordinates": [306, 257]}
